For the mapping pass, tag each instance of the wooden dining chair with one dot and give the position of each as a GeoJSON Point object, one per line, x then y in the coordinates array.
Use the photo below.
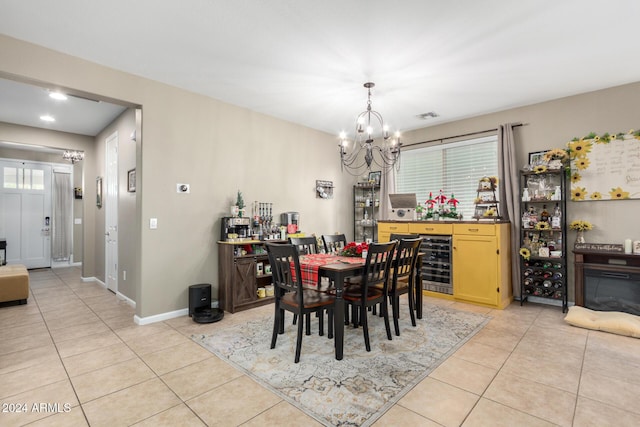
{"type": "Point", "coordinates": [402, 280]}
{"type": "Point", "coordinates": [305, 245]}
{"type": "Point", "coordinates": [291, 296]}
{"type": "Point", "coordinates": [333, 242]}
{"type": "Point", "coordinates": [366, 293]}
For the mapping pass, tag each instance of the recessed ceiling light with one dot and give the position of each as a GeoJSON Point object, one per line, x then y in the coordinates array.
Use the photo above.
{"type": "Point", "coordinates": [58, 95]}
{"type": "Point", "coordinates": [47, 118]}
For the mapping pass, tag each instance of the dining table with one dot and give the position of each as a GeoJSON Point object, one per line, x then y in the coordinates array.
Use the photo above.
{"type": "Point", "coordinates": [337, 269]}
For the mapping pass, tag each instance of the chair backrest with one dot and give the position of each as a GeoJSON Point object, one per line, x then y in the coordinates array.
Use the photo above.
{"type": "Point", "coordinates": [404, 263]}
{"type": "Point", "coordinates": [378, 264]}
{"type": "Point", "coordinates": [398, 237]}
{"type": "Point", "coordinates": [334, 242]}
{"type": "Point", "coordinates": [305, 245]}
{"type": "Point", "coordinates": [280, 257]}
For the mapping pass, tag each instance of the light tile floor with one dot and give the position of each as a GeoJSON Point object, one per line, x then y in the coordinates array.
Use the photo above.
{"type": "Point", "coordinates": [75, 344]}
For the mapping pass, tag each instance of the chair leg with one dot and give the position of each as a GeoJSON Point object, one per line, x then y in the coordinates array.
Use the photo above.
{"type": "Point", "coordinates": [412, 307]}
{"type": "Point", "coordinates": [385, 310]}
{"type": "Point", "coordinates": [321, 322]}
{"type": "Point", "coordinates": [299, 339]}
{"type": "Point", "coordinates": [308, 320]}
{"type": "Point", "coordinates": [365, 328]}
{"type": "Point", "coordinates": [295, 319]}
{"type": "Point", "coordinates": [276, 327]}
{"type": "Point", "coordinates": [395, 308]}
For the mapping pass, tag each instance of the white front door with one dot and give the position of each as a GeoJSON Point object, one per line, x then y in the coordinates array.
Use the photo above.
{"type": "Point", "coordinates": [111, 214]}
{"type": "Point", "coordinates": [25, 223]}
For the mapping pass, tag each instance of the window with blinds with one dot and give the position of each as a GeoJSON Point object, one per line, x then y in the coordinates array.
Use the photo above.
{"type": "Point", "coordinates": [454, 168]}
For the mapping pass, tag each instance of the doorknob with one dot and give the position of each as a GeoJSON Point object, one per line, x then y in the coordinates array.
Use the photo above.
{"type": "Point", "coordinates": [107, 234]}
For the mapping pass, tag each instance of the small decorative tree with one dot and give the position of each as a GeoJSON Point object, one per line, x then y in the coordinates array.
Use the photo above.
{"type": "Point", "coordinates": [240, 204]}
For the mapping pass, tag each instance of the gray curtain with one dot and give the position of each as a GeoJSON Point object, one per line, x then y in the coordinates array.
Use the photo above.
{"type": "Point", "coordinates": [387, 186]}
{"type": "Point", "coordinates": [62, 244]}
{"type": "Point", "coordinates": [510, 196]}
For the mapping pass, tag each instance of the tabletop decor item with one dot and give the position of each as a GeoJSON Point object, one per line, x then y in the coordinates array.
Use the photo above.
{"type": "Point", "coordinates": [556, 158]}
{"type": "Point", "coordinates": [580, 226]}
{"type": "Point", "coordinates": [354, 249]}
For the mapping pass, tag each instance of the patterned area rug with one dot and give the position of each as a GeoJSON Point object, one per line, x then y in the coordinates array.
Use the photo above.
{"type": "Point", "coordinates": [358, 389]}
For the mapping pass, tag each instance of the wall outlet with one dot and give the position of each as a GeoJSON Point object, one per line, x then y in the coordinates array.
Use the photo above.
{"type": "Point", "coordinates": [183, 188]}
{"type": "Point", "coordinates": [153, 223]}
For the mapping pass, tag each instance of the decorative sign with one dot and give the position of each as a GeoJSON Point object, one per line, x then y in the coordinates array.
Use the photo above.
{"type": "Point", "coordinates": [599, 247]}
{"type": "Point", "coordinates": [324, 189]}
{"type": "Point", "coordinates": [606, 167]}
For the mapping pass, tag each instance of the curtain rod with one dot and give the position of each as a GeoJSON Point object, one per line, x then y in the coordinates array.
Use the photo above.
{"type": "Point", "coordinates": [460, 136]}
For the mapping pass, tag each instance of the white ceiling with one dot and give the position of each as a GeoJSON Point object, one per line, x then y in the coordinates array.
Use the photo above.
{"type": "Point", "coordinates": [306, 61]}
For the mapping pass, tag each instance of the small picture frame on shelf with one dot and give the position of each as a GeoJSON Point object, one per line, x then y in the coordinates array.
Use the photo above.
{"type": "Point", "coordinates": [375, 177]}
{"type": "Point", "coordinates": [543, 252]}
{"type": "Point", "coordinates": [536, 158]}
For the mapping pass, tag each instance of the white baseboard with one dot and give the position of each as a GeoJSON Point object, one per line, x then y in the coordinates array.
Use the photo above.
{"type": "Point", "coordinates": [160, 317]}
{"type": "Point", "coordinates": [169, 315]}
{"type": "Point", "coordinates": [126, 299]}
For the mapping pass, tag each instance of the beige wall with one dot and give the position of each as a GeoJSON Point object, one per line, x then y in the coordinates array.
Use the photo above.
{"type": "Point", "coordinates": [219, 149]}
{"type": "Point", "coordinates": [215, 147]}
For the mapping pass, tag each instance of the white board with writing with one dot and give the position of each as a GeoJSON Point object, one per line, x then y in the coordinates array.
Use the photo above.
{"type": "Point", "coordinates": [608, 170]}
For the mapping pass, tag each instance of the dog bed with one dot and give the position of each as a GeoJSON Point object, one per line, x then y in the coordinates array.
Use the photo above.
{"type": "Point", "coordinates": [614, 322]}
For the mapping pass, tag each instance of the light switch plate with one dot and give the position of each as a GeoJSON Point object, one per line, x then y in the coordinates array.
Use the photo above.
{"type": "Point", "coordinates": [153, 223]}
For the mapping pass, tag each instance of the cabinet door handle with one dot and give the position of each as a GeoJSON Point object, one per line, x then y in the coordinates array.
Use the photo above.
{"type": "Point", "coordinates": [473, 229]}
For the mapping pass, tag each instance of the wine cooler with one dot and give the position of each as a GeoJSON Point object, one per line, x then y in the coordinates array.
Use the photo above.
{"type": "Point", "coordinates": [436, 264]}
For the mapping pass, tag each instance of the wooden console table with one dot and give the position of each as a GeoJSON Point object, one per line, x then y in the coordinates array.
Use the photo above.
{"type": "Point", "coordinates": [615, 262]}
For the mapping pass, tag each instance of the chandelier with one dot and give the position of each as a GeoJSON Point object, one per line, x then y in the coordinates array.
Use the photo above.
{"type": "Point", "coordinates": [73, 156]}
{"type": "Point", "coordinates": [385, 154]}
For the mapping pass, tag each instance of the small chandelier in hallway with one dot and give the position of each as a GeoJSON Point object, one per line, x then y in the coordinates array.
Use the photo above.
{"type": "Point", "coordinates": [73, 156]}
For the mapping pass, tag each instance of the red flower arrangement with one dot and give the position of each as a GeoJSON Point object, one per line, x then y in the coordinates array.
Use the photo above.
{"type": "Point", "coordinates": [354, 249]}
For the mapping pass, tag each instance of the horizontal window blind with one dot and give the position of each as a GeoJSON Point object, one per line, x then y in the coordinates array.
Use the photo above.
{"type": "Point", "coordinates": [453, 168]}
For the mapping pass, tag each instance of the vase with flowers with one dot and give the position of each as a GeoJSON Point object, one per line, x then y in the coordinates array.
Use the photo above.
{"type": "Point", "coordinates": [580, 226]}
{"type": "Point", "coordinates": [556, 158]}
{"type": "Point", "coordinates": [354, 249]}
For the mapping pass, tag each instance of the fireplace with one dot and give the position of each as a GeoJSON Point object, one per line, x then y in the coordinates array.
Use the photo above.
{"type": "Point", "coordinates": [608, 281]}
{"type": "Point", "coordinates": [608, 290]}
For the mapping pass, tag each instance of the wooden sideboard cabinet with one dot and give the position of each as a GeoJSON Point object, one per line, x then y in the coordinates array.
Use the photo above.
{"type": "Point", "coordinates": [238, 275]}
{"type": "Point", "coordinates": [481, 260]}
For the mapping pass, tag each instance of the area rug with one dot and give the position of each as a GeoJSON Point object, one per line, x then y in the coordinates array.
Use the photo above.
{"type": "Point", "coordinates": [354, 391]}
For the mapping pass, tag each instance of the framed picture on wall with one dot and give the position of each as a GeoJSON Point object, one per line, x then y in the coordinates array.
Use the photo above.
{"type": "Point", "coordinates": [99, 191]}
{"type": "Point", "coordinates": [131, 181]}
{"type": "Point", "coordinates": [374, 177]}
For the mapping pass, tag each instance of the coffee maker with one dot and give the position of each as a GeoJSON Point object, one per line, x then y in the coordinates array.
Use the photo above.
{"type": "Point", "coordinates": [236, 228]}
{"type": "Point", "coordinates": [291, 220]}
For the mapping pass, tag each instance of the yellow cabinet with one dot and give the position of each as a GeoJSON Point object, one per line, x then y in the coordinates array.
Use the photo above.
{"type": "Point", "coordinates": [481, 264]}
{"type": "Point", "coordinates": [386, 229]}
{"type": "Point", "coordinates": [430, 228]}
